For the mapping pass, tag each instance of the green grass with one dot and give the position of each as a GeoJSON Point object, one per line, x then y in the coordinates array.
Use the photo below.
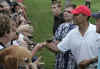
{"type": "Point", "coordinates": [40, 14]}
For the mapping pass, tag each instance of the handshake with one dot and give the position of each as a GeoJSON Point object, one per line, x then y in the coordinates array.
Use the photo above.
{"type": "Point", "coordinates": [44, 44]}
{"type": "Point", "coordinates": [50, 44]}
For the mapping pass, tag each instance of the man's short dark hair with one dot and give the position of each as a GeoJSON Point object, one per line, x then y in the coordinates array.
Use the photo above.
{"type": "Point", "coordinates": [57, 2]}
{"type": "Point", "coordinates": [71, 5]}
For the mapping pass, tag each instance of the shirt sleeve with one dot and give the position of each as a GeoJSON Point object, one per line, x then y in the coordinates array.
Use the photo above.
{"type": "Point", "coordinates": [64, 45]}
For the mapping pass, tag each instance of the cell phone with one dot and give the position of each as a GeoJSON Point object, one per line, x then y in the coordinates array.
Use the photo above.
{"type": "Point", "coordinates": [49, 41]}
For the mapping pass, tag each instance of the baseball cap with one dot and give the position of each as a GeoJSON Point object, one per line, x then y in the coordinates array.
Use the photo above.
{"type": "Point", "coordinates": [82, 9]}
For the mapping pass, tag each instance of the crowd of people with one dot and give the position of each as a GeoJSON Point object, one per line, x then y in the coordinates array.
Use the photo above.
{"type": "Point", "coordinates": [75, 40]}
{"type": "Point", "coordinates": [15, 28]}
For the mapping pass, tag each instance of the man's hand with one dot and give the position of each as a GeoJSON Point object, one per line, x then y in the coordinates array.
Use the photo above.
{"type": "Point", "coordinates": [50, 44]}
{"type": "Point", "coordinates": [83, 64]}
{"type": "Point", "coordinates": [53, 46]}
{"type": "Point", "coordinates": [37, 47]}
{"type": "Point", "coordinates": [53, 43]}
{"type": "Point", "coordinates": [41, 45]}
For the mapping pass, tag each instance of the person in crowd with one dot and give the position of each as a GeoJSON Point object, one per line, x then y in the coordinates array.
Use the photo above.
{"type": "Point", "coordinates": [4, 7]}
{"type": "Point", "coordinates": [53, 1]}
{"type": "Point", "coordinates": [19, 13]}
{"type": "Point", "coordinates": [23, 32]}
{"type": "Point", "coordinates": [5, 32]}
{"type": "Point", "coordinates": [13, 16]}
{"type": "Point", "coordinates": [13, 34]}
{"type": "Point", "coordinates": [97, 17]}
{"type": "Point", "coordinates": [68, 18]}
{"type": "Point", "coordinates": [62, 61]}
{"type": "Point", "coordinates": [58, 15]}
{"type": "Point", "coordinates": [81, 40]}
{"type": "Point", "coordinates": [68, 2]}
{"type": "Point", "coordinates": [5, 25]}
{"type": "Point", "coordinates": [88, 3]}
{"type": "Point", "coordinates": [5, 4]}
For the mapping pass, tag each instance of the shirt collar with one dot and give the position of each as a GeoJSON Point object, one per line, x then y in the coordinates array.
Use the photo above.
{"type": "Point", "coordinates": [2, 46]}
{"type": "Point", "coordinates": [91, 27]}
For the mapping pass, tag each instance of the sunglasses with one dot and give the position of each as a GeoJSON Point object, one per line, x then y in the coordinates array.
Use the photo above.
{"type": "Point", "coordinates": [68, 11]}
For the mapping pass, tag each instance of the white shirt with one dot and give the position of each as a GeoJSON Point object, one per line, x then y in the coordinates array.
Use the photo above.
{"type": "Point", "coordinates": [19, 41]}
{"type": "Point", "coordinates": [82, 47]}
{"type": "Point", "coordinates": [16, 42]}
{"type": "Point", "coordinates": [98, 44]}
{"type": "Point", "coordinates": [98, 40]}
{"type": "Point", "coordinates": [1, 47]}
{"type": "Point", "coordinates": [21, 37]}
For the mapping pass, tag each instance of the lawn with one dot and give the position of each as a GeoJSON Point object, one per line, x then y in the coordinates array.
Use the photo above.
{"type": "Point", "coordinates": [40, 14]}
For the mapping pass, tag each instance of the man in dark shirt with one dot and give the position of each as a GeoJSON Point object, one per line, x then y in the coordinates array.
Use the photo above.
{"type": "Point", "coordinates": [57, 21]}
{"type": "Point", "coordinates": [58, 15]}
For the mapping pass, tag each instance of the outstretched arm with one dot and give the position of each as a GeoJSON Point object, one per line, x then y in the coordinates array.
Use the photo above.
{"type": "Point", "coordinates": [37, 47]}
{"type": "Point", "coordinates": [52, 46]}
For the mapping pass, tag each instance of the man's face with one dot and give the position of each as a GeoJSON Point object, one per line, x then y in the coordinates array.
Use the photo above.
{"type": "Point", "coordinates": [56, 9]}
{"type": "Point", "coordinates": [98, 25]}
{"type": "Point", "coordinates": [13, 31]}
{"type": "Point", "coordinates": [80, 18]}
{"type": "Point", "coordinates": [67, 14]}
{"type": "Point", "coordinates": [8, 36]}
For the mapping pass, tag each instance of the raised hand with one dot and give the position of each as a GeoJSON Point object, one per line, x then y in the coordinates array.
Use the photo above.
{"type": "Point", "coordinates": [37, 47]}
{"type": "Point", "coordinates": [41, 45]}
